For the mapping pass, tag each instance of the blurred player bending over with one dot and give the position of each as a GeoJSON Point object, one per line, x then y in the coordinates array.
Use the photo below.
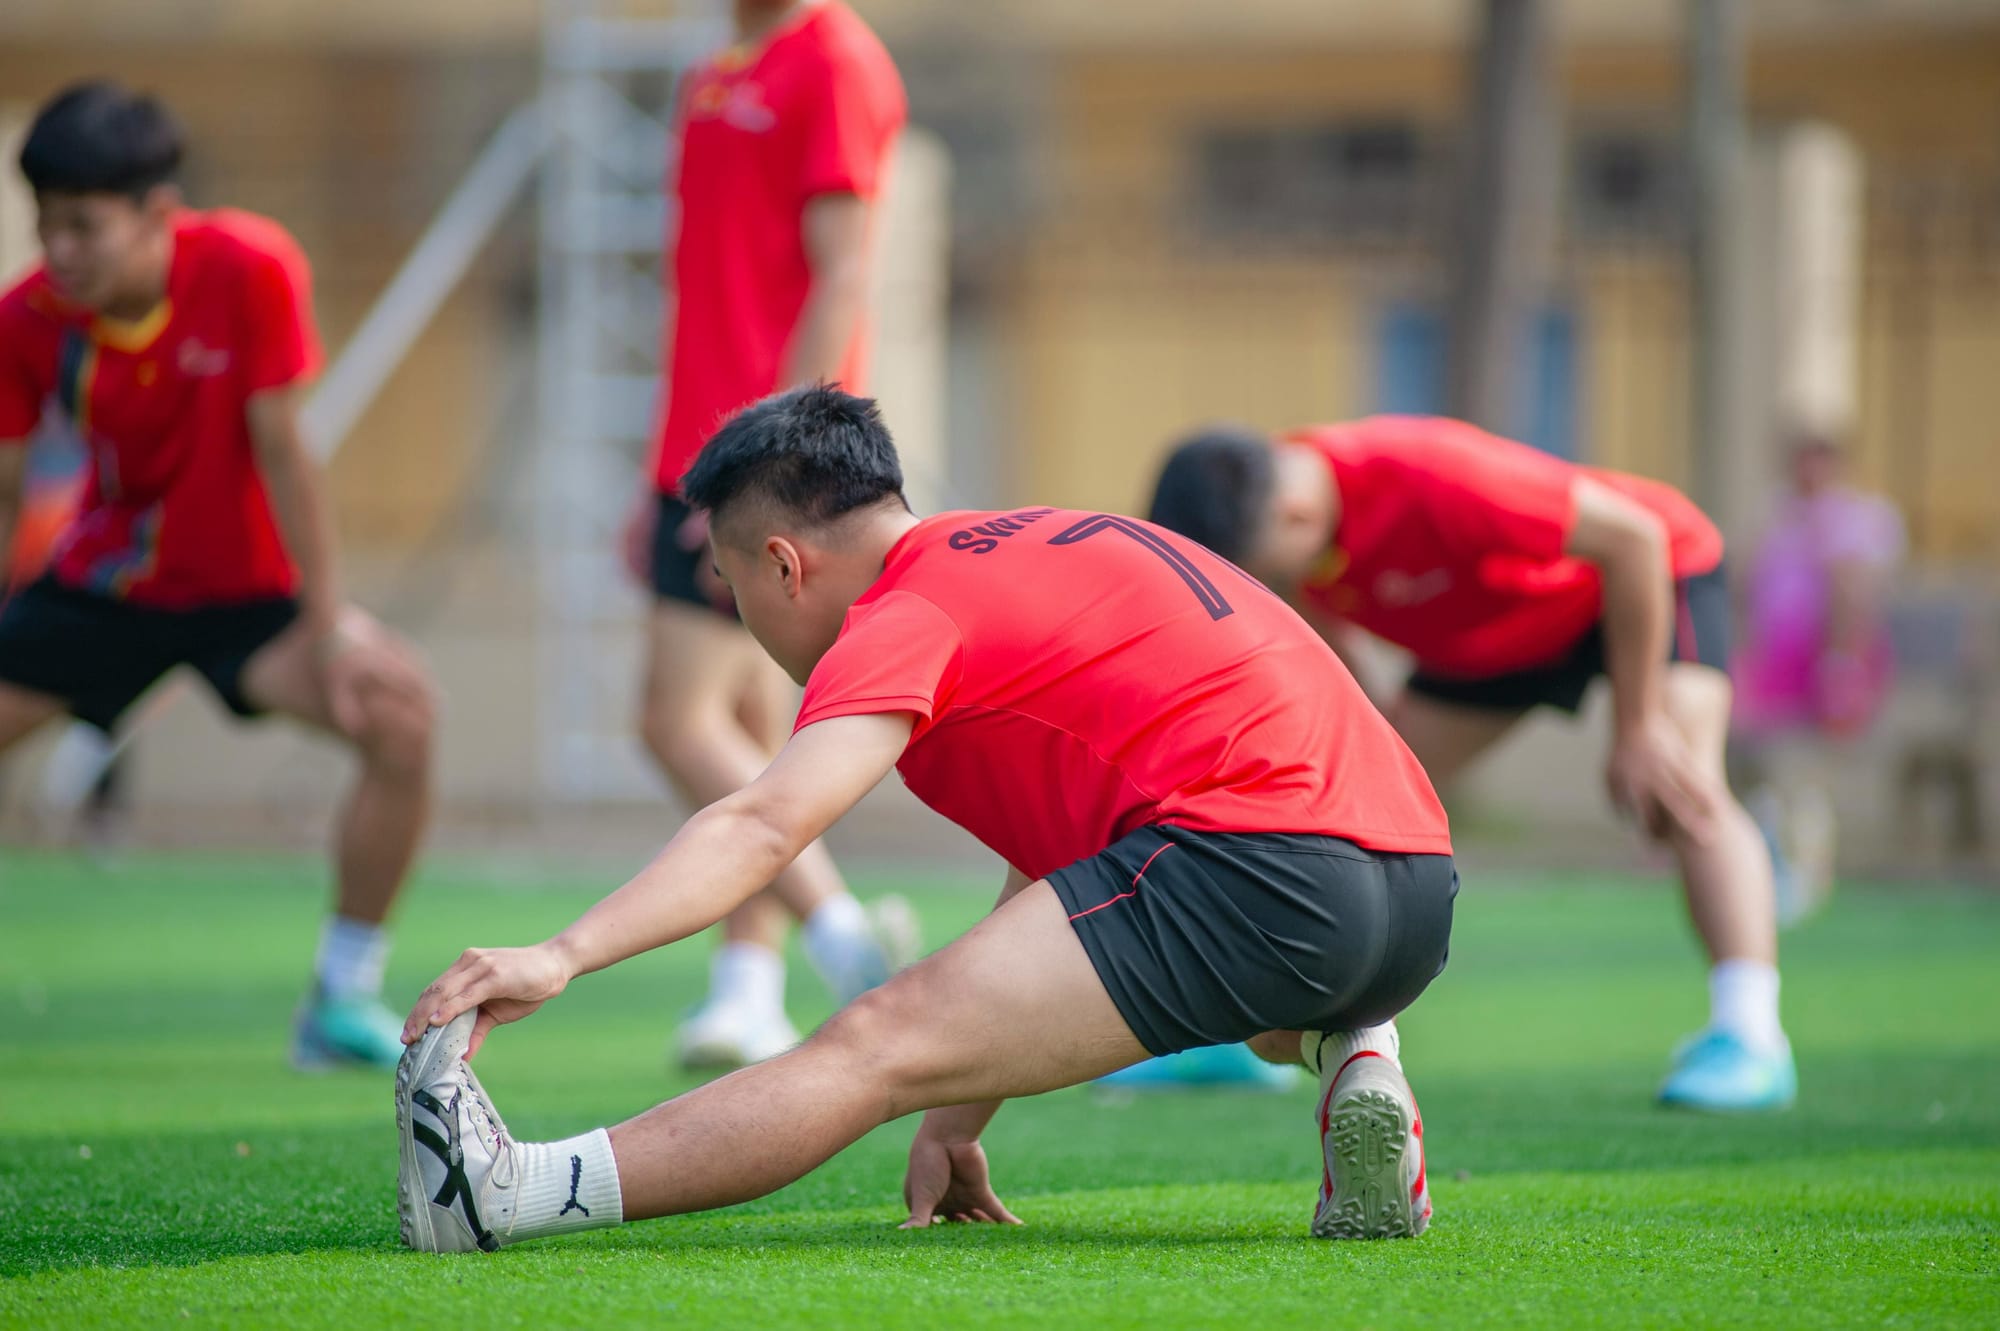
{"type": "Point", "coordinates": [1515, 579]}
{"type": "Point", "coordinates": [1200, 851]}
{"type": "Point", "coordinates": [177, 344]}
{"type": "Point", "coordinates": [783, 143]}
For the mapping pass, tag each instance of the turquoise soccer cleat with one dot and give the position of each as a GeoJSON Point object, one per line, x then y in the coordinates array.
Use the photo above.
{"type": "Point", "coordinates": [345, 1032]}
{"type": "Point", "coordinates": [1223, 1065]}
{"type": "Point", "coordinates": [1715, 1071]}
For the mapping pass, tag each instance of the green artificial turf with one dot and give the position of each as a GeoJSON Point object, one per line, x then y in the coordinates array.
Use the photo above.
{"type": "Point", "coordinates": [160, 1166]}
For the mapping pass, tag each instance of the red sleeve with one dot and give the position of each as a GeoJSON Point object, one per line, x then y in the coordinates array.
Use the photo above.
{"type": "Point", "coordinates": [847, 121]}
{"type": "Point", "coordinates": [898, 654]}
{"type": "Point", "coordinates": [281, 343]}
{"type": "Point", "coordinates": [1495, 496]}
{"type": "Point", "coordinates": [21, 391]}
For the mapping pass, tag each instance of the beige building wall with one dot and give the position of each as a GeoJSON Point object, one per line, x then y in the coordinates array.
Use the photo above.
{"type": "Point", "coordinates": [1128, 327]}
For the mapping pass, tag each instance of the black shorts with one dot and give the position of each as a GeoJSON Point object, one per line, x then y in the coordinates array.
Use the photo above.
{"type": "Point", "coordinates": [98, 654]}
{"type": "Point", "coordinates": [1213, 937]}
{"type": "Point", "coordinates": [1700, 637]}
{"type": "Point", "coordinates": [674, 567]}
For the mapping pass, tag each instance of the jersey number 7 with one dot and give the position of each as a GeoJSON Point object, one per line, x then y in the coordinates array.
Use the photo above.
{"type": "Point", "coordinates": [1205, 591]}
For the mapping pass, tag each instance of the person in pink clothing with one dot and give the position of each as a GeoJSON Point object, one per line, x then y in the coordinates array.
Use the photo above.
{"type": "Point", "coordinates": [1815, 662]}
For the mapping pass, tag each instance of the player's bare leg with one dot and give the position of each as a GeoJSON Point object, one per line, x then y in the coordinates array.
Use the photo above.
{"type": "Point", "coordinates": [1728, 875]}
{"type": "Point", "coordinates": [376, 835]}
{"type": "Point", "coordinates": [1742, 1060]}
{"type": "Point", "coordinates": [715, 709]}
{"type": "Point", "coordinates": [22, 712]}
{"type": "Point", "coordinates": [1013, 1008]}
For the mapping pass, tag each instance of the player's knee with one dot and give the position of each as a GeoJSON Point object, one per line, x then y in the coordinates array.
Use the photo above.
{"type": "Point", "coordinates": [885, 1034]}
{"type": "Point", "coordinates": [400, 733]}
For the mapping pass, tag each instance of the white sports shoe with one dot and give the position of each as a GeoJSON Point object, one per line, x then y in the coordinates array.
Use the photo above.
{"type": "Point", "coordinates": [456, 1189]}
{"type": "Point", "coordinates": [1373, 1140]}
{"type": "Point", "coordinates": [733, 1035]}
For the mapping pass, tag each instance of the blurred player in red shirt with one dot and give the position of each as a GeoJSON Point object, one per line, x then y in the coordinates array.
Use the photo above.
{"type": "Point", "coordinates": [783, 144]}
{"type": "Point", "coordinates": [176, 344]}
{"type": "Point", "coordinates": [1200, 851]}
{"type": "Point", "coordinates": [1515, 579]}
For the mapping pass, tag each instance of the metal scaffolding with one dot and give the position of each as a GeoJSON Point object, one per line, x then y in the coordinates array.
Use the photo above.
{"type": "Point", "coordinates": [606, 85]}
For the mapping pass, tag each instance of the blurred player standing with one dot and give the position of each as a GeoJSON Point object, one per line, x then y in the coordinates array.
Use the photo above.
{"type": "Point", "coordinates": [783, 146]}
{"type": "Point", "coordinates": [1515, 579]}
{"type": "Point", "coordinates": [176, 343]}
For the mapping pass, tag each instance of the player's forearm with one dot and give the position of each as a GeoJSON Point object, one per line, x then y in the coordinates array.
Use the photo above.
{"type": "Point", "coordinates": [720, 858]}
{"type": "Point", "coordinates": [305, 522]}
{"type": "Point", "coordinates": [13, 469]}
{"type": "Point", "coordinates": [959, 1123]}
{"type": "Point", "coordinates": [828, 322]}
{"type": "Point", "coordinates": [1638, 625]}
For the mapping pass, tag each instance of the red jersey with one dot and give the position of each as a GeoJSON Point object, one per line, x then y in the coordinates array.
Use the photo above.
{"type": "Point", "coordinates": [1450, 543]}
{"type": "Point", "coordinates": [761, 133]}
{"type": "Point", "coordinates": [173, 513]}
{"type": "Point", "coordinates": [1076, 676]}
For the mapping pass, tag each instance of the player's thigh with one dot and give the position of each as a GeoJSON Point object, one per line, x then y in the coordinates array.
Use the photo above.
{"type": "Point", "coordinates": [22, 711]}
{"type": "Point", "coordinates": [1014, 1007]}
{"type": "Point", "coordinates": [283, 675]}
{"type": "Point", "coordinates": [696, 660]}
{"type": "Point", "coordinates": [1699, 699]}
{"type": "Point", "coordinates": [766, 703]}
{"type": "Point", "coordinates": [1448, 737]}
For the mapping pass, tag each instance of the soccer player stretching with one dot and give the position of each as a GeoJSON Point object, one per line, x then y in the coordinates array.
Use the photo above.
{"type": "Point", "coordinates": [1515, 579]}
{"type": "Point", "coordinates": [1201, 851]}
{"type": "Point", "coordinates": [783, 141]}
{"type": "Point", "coordinates": [176, 343]}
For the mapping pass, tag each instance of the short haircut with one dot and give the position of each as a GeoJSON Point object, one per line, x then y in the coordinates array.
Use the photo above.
{"type": "Point", "coordinates": [101, 138]}
{"type": "Point", "coordinates": [1215, 487]}
{"type": "Point", "coordinates": [811, 455]}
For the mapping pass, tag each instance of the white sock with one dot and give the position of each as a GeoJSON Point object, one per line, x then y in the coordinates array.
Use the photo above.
{"type": "Point", "coordinates": [843, 948]}
{"type": "Point", "coordinates": [748, 975]}
{"type": "Point", "coordinates": [566, 1186]}
{"type": "Point", "coordinates": [1332, 1049]}
{"type": "Point", "coordinates": [351, 957]}
{"type": "Point", "coordinates": [1743, 1000]}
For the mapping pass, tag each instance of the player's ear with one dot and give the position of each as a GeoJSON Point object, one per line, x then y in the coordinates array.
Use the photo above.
{"type": "Point", "coordinates": [160, 202]}
{"type": "Point", "coordinates": [783, 558]}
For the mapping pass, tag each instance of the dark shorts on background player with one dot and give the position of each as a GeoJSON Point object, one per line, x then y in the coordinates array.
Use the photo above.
{"type": "Point", "coordinates": [676, 569]}
{"type": "Point", "coordinates": [1700, 637]}
{"type": "Point", "coordinates": [98, 654]}
{"type": "Point", "coordinates": [1212, 937]}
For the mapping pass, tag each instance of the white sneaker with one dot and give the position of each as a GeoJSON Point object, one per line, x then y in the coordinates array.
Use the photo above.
{"type": "Point", "coordinates": [1372, 1138]}
{"type": "Point", "coordinates": [893, 922]}
{"type": "Point", "coordinates": [732, 1035]}
{"type": "Point", "coordinates": [456, 1187]}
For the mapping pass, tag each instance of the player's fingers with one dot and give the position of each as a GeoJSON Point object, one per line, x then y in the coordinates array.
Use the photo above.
{"type": "Point", "coordinates": [419, 1019]}
{"type": "Point", "coordinates": [487, 1021]}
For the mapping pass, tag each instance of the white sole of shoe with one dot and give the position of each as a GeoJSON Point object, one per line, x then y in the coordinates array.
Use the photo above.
{"type": "Point", "coordinates": [1366, 1137]}
{"type": "Point", "coordinates": [419, 1062]}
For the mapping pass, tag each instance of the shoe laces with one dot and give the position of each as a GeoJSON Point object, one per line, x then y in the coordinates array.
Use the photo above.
{"type": "Point", "coordinates": [486, 1122]}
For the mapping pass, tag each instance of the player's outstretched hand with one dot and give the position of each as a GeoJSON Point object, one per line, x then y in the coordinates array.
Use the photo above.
{"type": "Point", "coordinates": [947, 1182]}
{"type": "Point", "coordinates": [1653, 777]}
{"type": "Point", "coordinates": [504, 983]}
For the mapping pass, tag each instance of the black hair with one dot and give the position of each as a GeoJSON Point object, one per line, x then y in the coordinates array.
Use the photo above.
{"type": "Point", "coordinates": [101, 138]}
{"type": "Point", "coordinates": [814, 453]}
{"type": "Point", "coordinates": [1215, 487]}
